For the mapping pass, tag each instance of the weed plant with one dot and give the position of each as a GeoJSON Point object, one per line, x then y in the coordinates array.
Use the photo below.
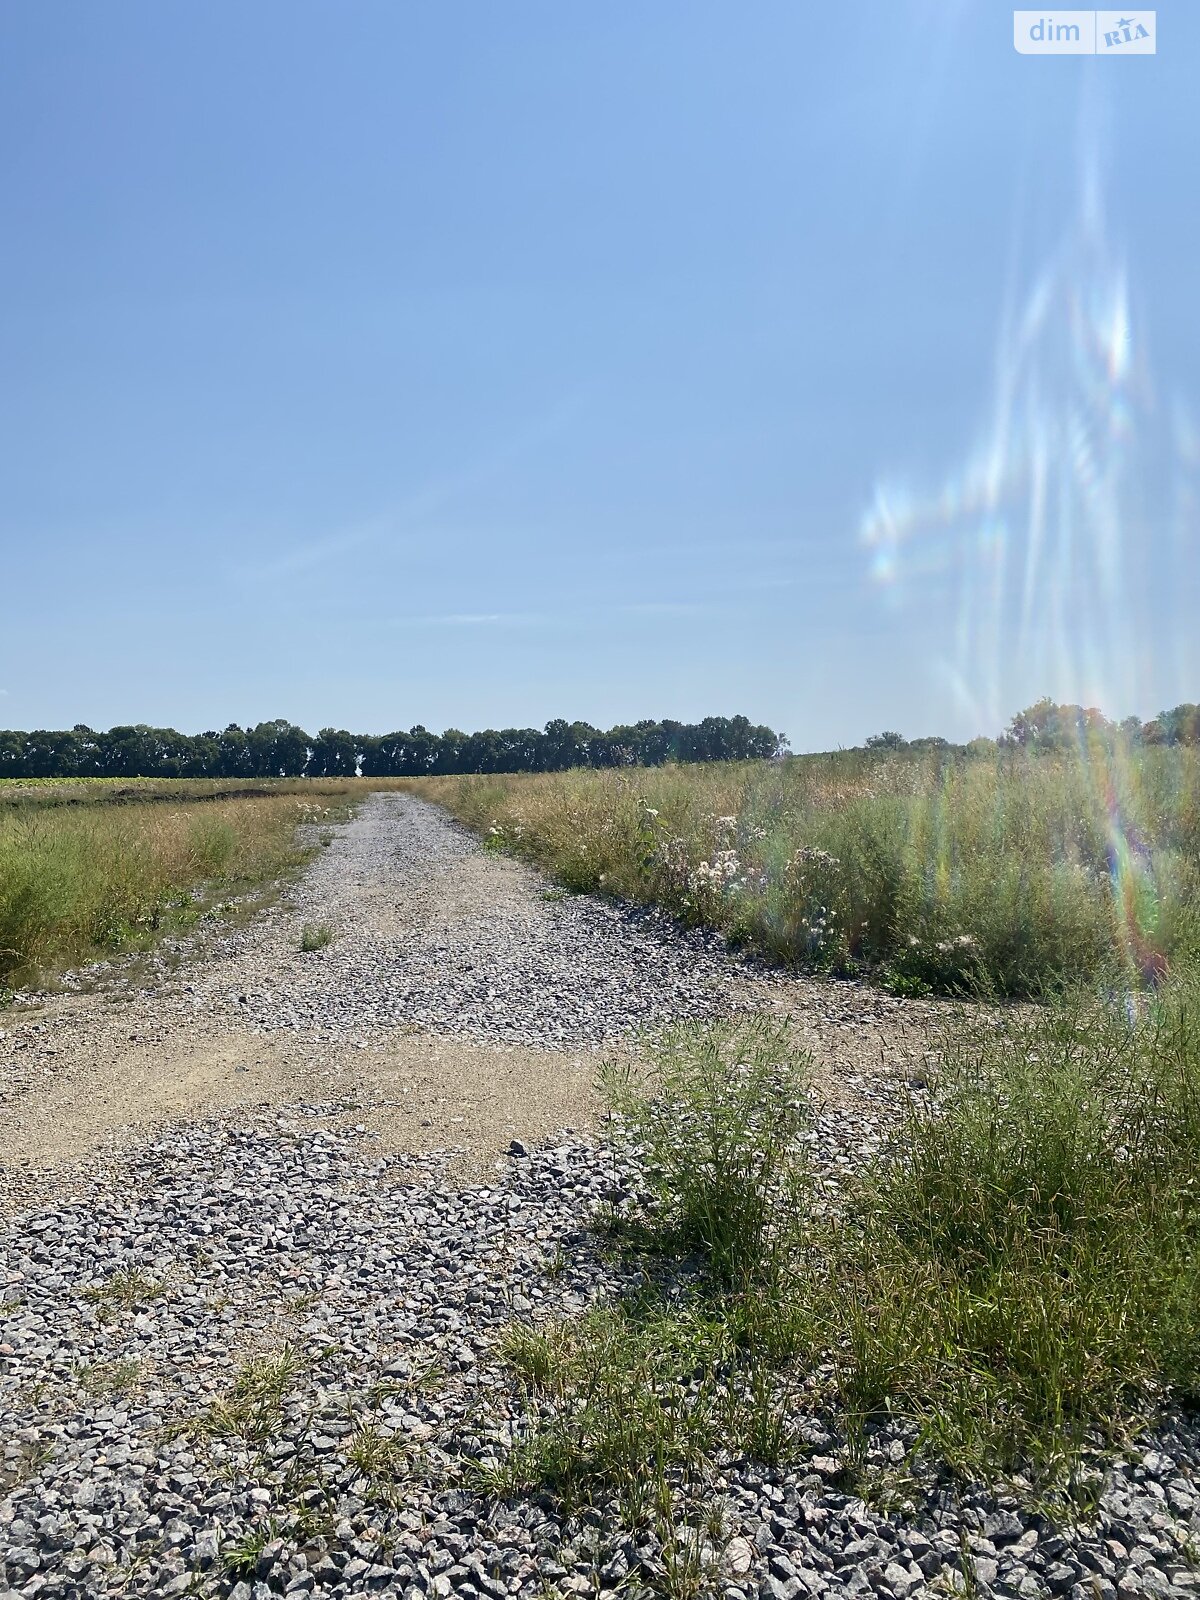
{"type": "Point", "coordinates": [382, 1462]}
{"type": "Point", "coordinates": [124, 1290]}
{"type": "Point", "coordinates": [104, 1379]}
{"type": "Point", "coordinates": [715, 1127]}
{"type": "Point", "coordinates": [252, 1410]}
{"type": "Point", "coordinates": [1016, 1278]}
{"type": "Point", "coordinates": [635, 1384]}
{"type": "Point", "coordinates": [240, 1557]}
{"type": "Point", "coordinates": [1021, 1274]}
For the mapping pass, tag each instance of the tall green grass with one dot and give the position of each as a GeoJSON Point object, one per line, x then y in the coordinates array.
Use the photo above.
{"type": "Point", "coordinates": [77, 882]}
{"type": "Point", "coordinates": [1023, 1267]}
{"type": "Point", "coordinates": [715, 1129]}
{"type": "Point", "coordinates": [1011, 875]}
{"type": "Point", "coordinates": [1015, 1279]}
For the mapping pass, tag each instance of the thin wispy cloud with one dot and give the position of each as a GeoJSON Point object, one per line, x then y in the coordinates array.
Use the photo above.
{"type": "Point", "coordinates": [304, 557]}
{"type": "Point", "coordinates": [477, 619]}
{"type": "Point", "coordinates": [567, 615]}
{"type": "Point", "coordinates": [406, 519]}
{"type": "Point", "coordinates": [665, 608]}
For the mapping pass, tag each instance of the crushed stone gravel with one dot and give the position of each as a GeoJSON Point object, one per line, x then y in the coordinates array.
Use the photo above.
{"type": "Point", "coordinates": [455, 981]}
{"type": "Point", "coordinates": [460, 940]}
{"type": "Point", "coordinates": [136, 1460]}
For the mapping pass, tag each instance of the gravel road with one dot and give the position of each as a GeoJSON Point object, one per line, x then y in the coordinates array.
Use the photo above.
{"type": "Point", "coordinates": [433, 932]}
{"type": "Point", "coordinates": [249, 1303]}
{"type": "Point", "coordinates": [462, 1002]}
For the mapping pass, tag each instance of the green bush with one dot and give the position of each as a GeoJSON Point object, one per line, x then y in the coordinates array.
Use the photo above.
{"type": "Point", "coordinates": [1025, 1263]}
{"type": "Point", "coordinates": [715, 1126]}
{"type": "Point", "coordinates": [1016, 1275]}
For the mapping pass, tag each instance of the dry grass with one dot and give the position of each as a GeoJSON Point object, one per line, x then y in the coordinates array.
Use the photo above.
{"type": "Point", "coordinates": [51, 792]}
{"type": "Point", "coordinates": [1011, 875]}
{"type": "Point", "coordinates": [83, 881]}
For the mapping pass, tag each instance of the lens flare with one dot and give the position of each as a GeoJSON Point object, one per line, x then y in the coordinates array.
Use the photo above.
{"type": "Point", "coordinates": [1039, 543]}
{"type": "Point", "coordinates": [1036, 539]}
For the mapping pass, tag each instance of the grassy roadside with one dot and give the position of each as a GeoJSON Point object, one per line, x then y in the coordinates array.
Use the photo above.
{"type": "Point", "coordinates": [47, 793]}
{"type": "Point", "coordinates": [1013, 876]}
{"type": "Point", "coordinates": [1010, 1291]}
{"type": "Point", "coordinates": [88, 881]}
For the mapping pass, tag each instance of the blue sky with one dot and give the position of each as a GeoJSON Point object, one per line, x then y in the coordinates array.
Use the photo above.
{"type": "Point", "coordinates": [377, 363]}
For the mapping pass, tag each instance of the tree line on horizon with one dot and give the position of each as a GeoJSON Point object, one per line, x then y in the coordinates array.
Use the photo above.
{"type": "Point", "coordinates": [1049, 726]}
{"type": "Point", "coordinates": [280, 749]}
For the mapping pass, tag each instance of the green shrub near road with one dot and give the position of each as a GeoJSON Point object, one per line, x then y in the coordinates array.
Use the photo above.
{"type": "Point", "coordinates": [1021, 1274]}
{"type": "Point", "coordinates": [1016, 1278]}
{"type": "Point", "coordinates": [715, 1130]}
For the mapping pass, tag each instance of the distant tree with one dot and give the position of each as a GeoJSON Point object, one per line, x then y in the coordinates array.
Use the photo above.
{"type": "Point", "coordinates": [608, 749]}
{"type": "Point", "coordinates": [386, 756]}
{"type": "Point", "coordinates": [519, 749]}
{"type": "Point", "coordinates": [132, 751]}
{"type": "Point", "coordinates": [451, 751]}
{"type": "Point", "coordinates": [559, 748]}
{"type": "Point", "coordinates": [372, 759]}
{"type": "Point", "coordinates": [280, 748]}
{"type": "Point", "coordinates": [277, 749]}
{"type": "Point", "coordinates": [12, 755]}
{"type": "Point", "coordinates": [765, 744]}
{"type": "Point", "coordinates": [662, 742]}
{"type": "Point", "coordinates": [584, 735]}
{"type": "Point", "coordinates": [1028, 727]}
{"type": "Point", "coordinates": [713, 740]}
{"type": "Point", "coordinates": [204, 757]}
{"type": "Point", "coordinates": [233, 755]}
{"type": "Point", "coordinates": [88, 752]}
{"type": "Point", "coordinates": [1181, 725]}
{"type": "Point", "coordinates": [890, 740]}
{"type": "Point", "coordinates": [421, 751]}
{"type": "Point", "coordinates": [1047, 726]}
{"type": "Point", "coordinates": [51, 755]}
{"type": "Point", "coordinates": [483, 752]}
{"type": "Point", "coordinates": [334, 754]}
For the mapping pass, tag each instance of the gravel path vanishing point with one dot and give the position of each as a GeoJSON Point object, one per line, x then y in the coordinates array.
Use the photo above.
{"type": "Point", "coordinates": [461, 1003]}
{"type": "Point", "coordinates": [248, 1310]}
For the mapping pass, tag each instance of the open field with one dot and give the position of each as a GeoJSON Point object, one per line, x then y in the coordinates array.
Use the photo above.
{"type": "Point", "coordinates": [97, 879]}
{"type": "Point", "coordinates": [93, 867]}
{"type": "Point", "coordinates": [1010, 875]}
{"type": "Point", "coordinates": [46, 793]}
{"type": "Point", "coordinates": [1006, 875]}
